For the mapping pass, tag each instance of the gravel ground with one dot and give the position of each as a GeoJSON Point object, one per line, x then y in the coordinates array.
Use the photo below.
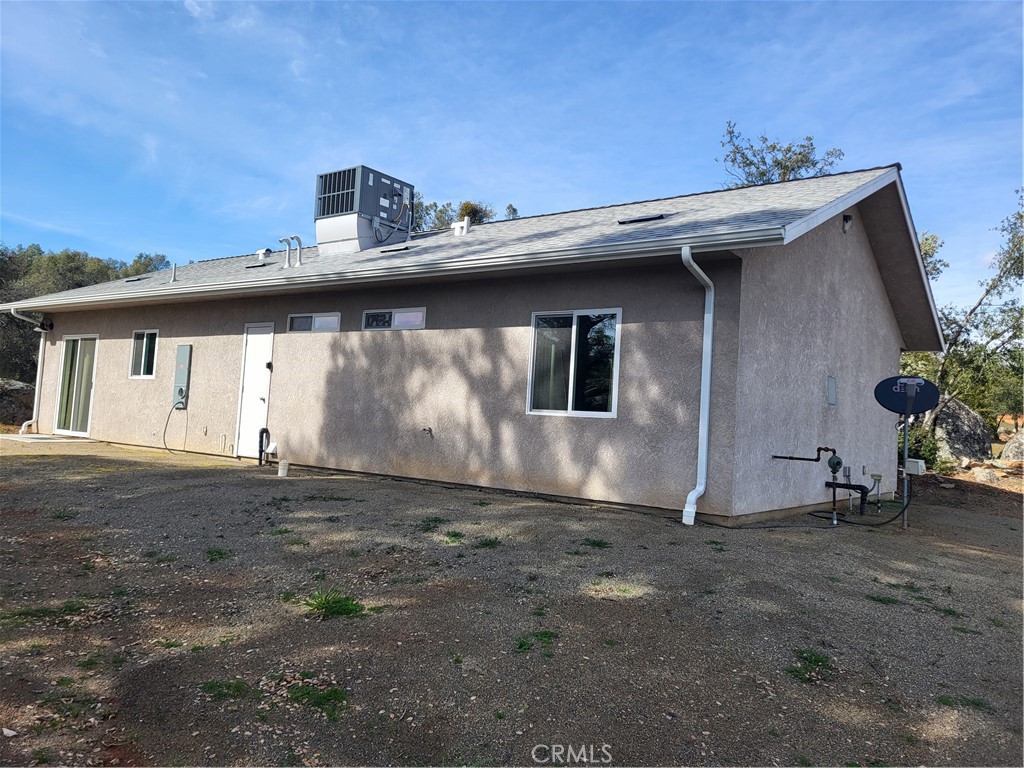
{"type": "Point", "coordinates": [152, 612]}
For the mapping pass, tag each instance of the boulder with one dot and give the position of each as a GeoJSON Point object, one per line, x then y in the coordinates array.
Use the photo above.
{"type": "Point", "coordinates": [984, 475]}
{"type": "Point", "coordinates": [960, 432]}
{"type": "Point", "coordinates": [1014, 449]}
{"type": "Point", "coordinates": [16, 400]}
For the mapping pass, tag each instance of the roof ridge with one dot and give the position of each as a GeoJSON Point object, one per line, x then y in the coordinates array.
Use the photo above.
{"type": "Point", "coordinates": [690, 194]}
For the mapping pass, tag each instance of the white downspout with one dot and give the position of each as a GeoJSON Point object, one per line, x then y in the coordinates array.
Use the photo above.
{"type": "Point", "coordinates": [690, 509]}
{"type": "Point", "coordinates": [39, 372]}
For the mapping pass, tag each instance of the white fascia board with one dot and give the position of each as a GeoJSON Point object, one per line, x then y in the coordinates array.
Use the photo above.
{"type": "Point", "coordinates": [837, 206]}
{"type": "Point", "coordinates": [292, 282]}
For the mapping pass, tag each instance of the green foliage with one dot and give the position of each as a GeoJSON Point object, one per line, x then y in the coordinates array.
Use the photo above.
{"type": "Point", "coordinates": [324, 699]}
{"type": "Point", "coordinates": [810, 665]}
{"type": "Point", "coordinates": [930, 244]}
{"type": "Point", "coordinates": [511, 212]}
{"type": "Point", "coordinates": [478, 213]}
{"type": "Point", "coordinates": [922, 445]}
{"type": "Point", "coordinates": [771, 161]}
{"type": "Point", "coordinates": [433, 215]}
{"type": "Point", "coordinates": [227, 689]}
{"type": "Point", "coordinates": [330, 602]}
{"type": "Point", "coordinates": [26, 272]}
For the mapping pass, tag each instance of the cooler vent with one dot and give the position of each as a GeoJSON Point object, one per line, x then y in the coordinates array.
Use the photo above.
{"type": "Point", "coordinates": [336, 193]}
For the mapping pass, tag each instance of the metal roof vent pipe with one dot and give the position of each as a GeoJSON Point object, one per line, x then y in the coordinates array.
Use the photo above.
{"type": "Point", "coordinates": [287, 253]}
{"type": "Point", "coordinates": [298, 250]}
{"type": "Point", "coordinates": [261, 254]}
{"type": "Point", "coordinates": [174, 272]}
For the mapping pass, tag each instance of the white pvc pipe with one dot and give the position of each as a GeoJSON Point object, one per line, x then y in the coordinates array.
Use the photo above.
{"type": "Point", "coordinates": [298, 250]}
{"type": "Point", "coordinates": [690, 509]}
{"type": "Point", "coordinates": [288, 251]}
{"type": "Point", "coordinates": [39, 372]}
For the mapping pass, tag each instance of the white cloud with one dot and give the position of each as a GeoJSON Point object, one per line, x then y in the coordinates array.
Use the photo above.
{"type": "Point", "coordinates": [199, 9]}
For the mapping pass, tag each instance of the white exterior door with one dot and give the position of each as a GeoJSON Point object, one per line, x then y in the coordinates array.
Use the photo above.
{"type": "Point", "coordinates": [77, 376]}
{"type": "Point", "coordinates": [254, 399]}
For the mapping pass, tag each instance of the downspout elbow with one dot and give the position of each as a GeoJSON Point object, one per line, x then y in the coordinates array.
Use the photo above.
{"type": "Point", "coordinates": [703, 428]}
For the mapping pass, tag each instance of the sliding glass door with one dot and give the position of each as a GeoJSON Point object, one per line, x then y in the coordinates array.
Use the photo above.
{"type": "Point", "coordinates": [75, 398]}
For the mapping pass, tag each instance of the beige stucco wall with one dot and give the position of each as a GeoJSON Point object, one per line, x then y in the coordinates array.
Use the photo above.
{"type": "Point", "coordinates": [361, 400]}
{"type": "Point", "coordinates": [812, 309]}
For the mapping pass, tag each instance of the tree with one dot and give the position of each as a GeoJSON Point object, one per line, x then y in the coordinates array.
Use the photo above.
{"type": "Point", "coordinates": [511, 212]}
{"type": "Point", "coordinates": [28, 271]}
{"type": "Point", "coordinates": [982, 362]}
{"type": "Point", "coordinates": [477, 213]}
{"type": "Point", "coordinates": [433, 215]}
{"type": "Point", "coordinates": [770, 161]}
{"type": "Point", "coordinates": [930, 244]}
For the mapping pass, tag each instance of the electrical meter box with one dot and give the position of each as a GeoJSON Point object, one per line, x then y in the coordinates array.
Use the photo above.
{"type": "Point", "coordinates": [362, 190]}
{"type": "Point", "coordinates": [182, 373]}
{"type": "Point", "coordinates": [914, 467]}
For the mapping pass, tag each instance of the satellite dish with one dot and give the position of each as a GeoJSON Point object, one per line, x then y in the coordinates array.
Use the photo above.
{"type": "Point", "coordinates": [892, 394]}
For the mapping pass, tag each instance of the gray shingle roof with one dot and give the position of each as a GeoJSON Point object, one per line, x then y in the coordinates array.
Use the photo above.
{"type": "Point", "coordinates": [721, 217]}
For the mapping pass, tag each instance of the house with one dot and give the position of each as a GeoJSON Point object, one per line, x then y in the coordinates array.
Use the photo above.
{"type": "Point", "coordinates": [656, 353]}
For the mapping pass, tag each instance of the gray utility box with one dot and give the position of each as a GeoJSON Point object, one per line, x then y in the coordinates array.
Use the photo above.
{"type": "Point", "coordinates": [182, 373]}
{"type": "Point", "coordinates": [362, 190]}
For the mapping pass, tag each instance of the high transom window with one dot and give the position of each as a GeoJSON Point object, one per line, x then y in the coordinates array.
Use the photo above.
{"type": "Point", "coordinates": [575, 365]}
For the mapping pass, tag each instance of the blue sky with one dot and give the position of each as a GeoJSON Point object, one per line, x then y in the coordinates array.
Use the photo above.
{"type": "Point", "coordinates": [197, 129]}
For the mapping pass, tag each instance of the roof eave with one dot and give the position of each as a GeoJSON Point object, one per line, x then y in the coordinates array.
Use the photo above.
{"type": "Point", "coordinates": [293, 283]}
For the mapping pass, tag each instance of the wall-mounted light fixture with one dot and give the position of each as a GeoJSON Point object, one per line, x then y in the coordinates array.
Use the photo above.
{"type": "Point", "coordinates": [847, 222]}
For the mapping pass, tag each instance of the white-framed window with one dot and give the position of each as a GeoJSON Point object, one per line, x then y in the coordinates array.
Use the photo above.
{"type": "Point", "coordinates": [574, 369]}
{"type": "Point", "coordinates": [408, 318]}
{"type": "Point", "coordinates": [315, 322]}
{"type": "Point", "coordinates": [143, 355]}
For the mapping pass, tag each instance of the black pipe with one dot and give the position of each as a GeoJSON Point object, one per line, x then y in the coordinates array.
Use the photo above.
{"type": "Point", "coordinates": [862, 489]}
{"type": "Point", "coordinates": [804, 458]}
{"type": "Point", "coordinates": [264, 433]}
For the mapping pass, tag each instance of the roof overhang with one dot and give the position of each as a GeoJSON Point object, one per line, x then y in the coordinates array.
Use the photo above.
{"type": "Point", "coordinates": [168, 292]}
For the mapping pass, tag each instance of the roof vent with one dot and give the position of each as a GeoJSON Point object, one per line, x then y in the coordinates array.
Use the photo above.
{"type": "Point", "coordinates": [261, 254]}
{"type": "Point", "coordinates": [639, 219]}
{"type": "Point", "coordinates": [358, 208]}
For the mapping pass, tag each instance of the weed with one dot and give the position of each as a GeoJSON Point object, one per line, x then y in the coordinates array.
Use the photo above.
{"type": "Point", "coordinates": [884, 599]}
{"type": "Point", "coordinates": [540, 610]}
{"type": "Point", "coordinates": [545, 636]}
{"type": "Point", "coordinates": [717, 546]}
{"type": "Point", "coordinates": [909, 586]}
{"type": "Point", "coordinates": [997, 622]}
{"type": "Point", "coordinates": [280, 531]}
{"type": "Point", "coordinates": [454, 537]}
{"type": "Point", "coordinates": [802, 760]}
{"type": "Point", "coordinates": [286, 596]}
{"type": "Point", "coordinates": [326, 497]}
{"type": "Point", "coordinates": [610, 643]}
{"type": "Point", "coordinates": [118, 661]}
{"type": "Point", "coordinates": [965, 630]}
{"type": "Point", "coordinates": [576, 552]}
{"type": "Point", "coordinates": [523, 645]}
{"type": "Point", "coordinates": [607, 574]}
{"type": "Point", "coordinates": [456, 659]}
{"type": "Point", "coordinates": [170, 644]}
{"type": "Point", "coordinates": [150, 554]}
{"type": "Point", "coordinates": [197, 648]}
{"type": "Point", "coordinates": [64, 682]}
{"type": "Point", "coordinates": [90, 662]}
{"type": "Point", "coordinates": [596, 543]}
{"type": "Point", "coordinates": [487, 542]}
{"type": "Point", "coordinates": [330, 602]}
{"type": "Point", "coordinates": [378, 608]}
{"type": "Point", "coordinates": [227, 640]}
{"type": "Point", "coordinates": [166, 559]}
{"type": "Point", "coordinates": [68, 608]}
{"type": "Point", "coordinates": [326, 700]}
{"type": "Point", "coordinates": [499, 715]}
{"type": "Point", "coordinates": [430, 524]}
{"type": "Point", "coordinates": [834, 579]}
{"type": "Point", "coordinates": [947, 611]}
{"type": "Point", "coordinates": [227, 689]}
{"type": "Point", "coordinates": [481, 503]}
{"type": "Point", "coordinates": [353, 553]}
{"type": "Point", "coordinates": [296, 542]}
{"type": "Point", "coordinates": [41, 755]}
{"type": "Point", "coordinates": [319, 576]}
{"type": "Point", "coordinates": [216, 554]}
{"type": "Point", "coordinates": [64, 514]}
{"type": "Point", "coordinates": [709, 592]}
{"type": "Point", "coordinates": [277, 501]}
{"type": "Point", "coordinates": [811, 665]}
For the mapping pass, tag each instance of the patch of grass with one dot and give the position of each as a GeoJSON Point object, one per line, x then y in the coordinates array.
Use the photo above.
{"type": "Point", "coordinates": [884, 599]}
{"type": "Point", "coordinates": [324, 699]}
{"type": "Point", "coordinates": [717, 546]}
{"type": "Point", "coordinates": [280, 531]}
{"type": "Point", "coordinates": [499, 715]}
{"type": "Point", "coordinates": [227, 640]}
{"type": "Point", "coordinates": [67, 608]}
{"type": "Point", "coordinates": [481, 503]}
{"type": "Point", "coordinates": [90, 662]}
{"type": "Point", "coordinates": [576, 552]}
{"type": "Point", "coordinates": [909, 586]}
{"type": "Point", "coordinates": [227, 689]}
{"type": "Point", "coordinates": [834, 579]}
{"type": "Point", "coordinates": [540, 610]}
{"type": "Point", "coordinates": [65, 681]}
{"type": "Point", "coordinates": [149, 554]}
{"type": "Point", "coordinates": [545, 637]}
{"type": "Point", "coordinates": [487, 542]}
{"type": "Point", "coordinates": [166, 559]}
{"type": "Point", "coordinates": [170, 644]}
{"type": "Point", "coordinates": [456, 659]}
{"type": "Point", "coordinates": [325, 497]}
{"type": "Point", "coordinates": [197, 649]}
{"type": "Point", "coordinates": [960, 701]}
{"type": "Point", "coordinates": [431, 524]}
{"type": "Point", "coordinates": [216, 554]}
{"type": "Point", "coordinates": [41, 755]}
{"type": "Point", "coordinates": [997, 622]}
{"type": "Point", "coordinates": [296, 542]}
{"type": "Point", "coordinates": [802, 760]}
{"type": "Point", "coordinates": [454, 537]}
{"type": "Point", "coordinates": [330, 602]}
{"type": "Point", "coordinates": [596, 543]}
{"type": "Point", "coordinates": [610, 643]}
{"type": "Point", "coordinates": [811, 665]}
{"type": "Point", "coordinates": [286, 596]}
{"type": "Point", "coordinates": [965, 630]}
{"type": "Point", "coordinates": [523, 645]}
{"type": "Point", "coordinates": [947, 611]}
{"type": "Point", "coordinates": [607, 574]}
{"type": "Point", "coordinates": [277, 501]}
{"type": "Point", "coordinates": [64, 514]}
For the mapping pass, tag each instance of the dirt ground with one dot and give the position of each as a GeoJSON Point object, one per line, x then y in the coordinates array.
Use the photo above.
{"type": "Point", "coordinates": [152, 613]}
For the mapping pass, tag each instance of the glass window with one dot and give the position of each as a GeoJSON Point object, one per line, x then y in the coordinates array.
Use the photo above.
{"type": "Point", "coordinates": [143, 354]}
{"type": "Point", "coordinates": [410, 318]}
{"type": "Point", "coordinates": [322, 322]}
{"type": "Point", "coordinates": [575, 362]}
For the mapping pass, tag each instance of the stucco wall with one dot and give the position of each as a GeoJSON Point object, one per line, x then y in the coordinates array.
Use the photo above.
{"type": "Point", "coordinates": [812, 309]}
{"type": "Point", "coordinates": [361, 400]}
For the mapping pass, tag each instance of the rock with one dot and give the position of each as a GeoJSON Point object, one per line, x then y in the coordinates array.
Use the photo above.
{"type": "Point", "coordinates": [984, 475]}
{"type": "Point", "coordinates": [961, 433]}
{"type": "Point", "coordinates": [16, 400]}
{"type": "Point", "coordinates": [1014, 450]}
{"type": "Point", "coordinates": [947, 486]}
{"type": "Point", "coordinates": [9, 733]}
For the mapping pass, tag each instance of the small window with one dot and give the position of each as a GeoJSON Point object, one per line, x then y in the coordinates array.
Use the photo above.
{"type": "Point", "coordinates": [575, 365]}
{"type": "Point", "coordinates": [143, 354]}
{"type": "Point", "coordinates": [323, 322]}
{"type": "Point", "coordinates": [411, 318]}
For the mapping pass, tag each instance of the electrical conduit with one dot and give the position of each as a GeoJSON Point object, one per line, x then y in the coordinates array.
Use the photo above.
{"type": "Point", "coordinates": [690, 509]}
